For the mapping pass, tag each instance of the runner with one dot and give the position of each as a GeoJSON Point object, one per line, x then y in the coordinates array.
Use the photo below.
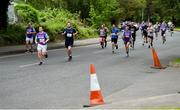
{"type": "Point", "coordinates": [114, 37]}
{"type": "Point", "coordinates": [169, 25]}
{"type": "Point", "coordinates": [102, 34]}
{"type": "Point", "coordinates": [106, 30]}
{"type": "Point", "coordinates": [141, 27]}
{"type": "Point", "coordinates": [126, 39]}
{"type": "Point", "coordinates": [150, 30]}
{"type": "Point", "coordinates": [133, 29]}
{"type": "Point", "coordinates": [123, 27]}
{"type": "Point", "coordinates": [156, 29]}
{"type": "Point", "coordinates": [41, 40]}
{"type": "Point", "coordinates": [69, 33]}
{"type": "Point", "coordinates": [172, 26]}
{"type": "Point", "coordinates": [145, 33]}
{"type": "Point", "coordinates": [30, 31]}
{"type": "Point", "coordinates": [163, 29]}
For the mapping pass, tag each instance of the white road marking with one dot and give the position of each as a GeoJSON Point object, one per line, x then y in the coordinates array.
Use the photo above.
{"type": "Point", "coordinates": [28, 65]}
{"type": "Point", "coordinates": [9, 56]}
{"type": "Point", "coordinates": [152, 98]}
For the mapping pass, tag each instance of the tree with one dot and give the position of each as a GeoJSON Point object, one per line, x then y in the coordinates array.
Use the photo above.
{"type": "Point", "coordinates": [3, 14]}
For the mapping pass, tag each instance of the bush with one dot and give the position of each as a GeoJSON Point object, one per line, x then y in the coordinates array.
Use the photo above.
{"type": "Point", "coordinates": [55, 20]}
{"type": "Point", "coordinates": [26, 13]}
{"type": "Point", "coordinates": [15, 34]}
{"type": "Point", "coordinates": [52, 20]}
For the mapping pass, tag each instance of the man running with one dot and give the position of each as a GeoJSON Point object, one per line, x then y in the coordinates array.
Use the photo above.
{"type": "Point", "coordinates": [102, 34]}
{"type": "Point", "coordinates": [145, 33]}
{"type": "Point", "coordinates": [141, 27]}
{"type": "Point", "coordinates": [30, 31]}
{"type": "Point", "coordinates": [126, 39]}
{"type": "Point", "coordinates": [172, 26]}
{"type": "Point", "coordinates": [106, 30]}
{"type": "Point", "coordinates": [69, 33]}
{"type": "Point", "coordinates": [114, 37]}
{"type": "Point", "coordinates": [133, 29]}
{"type": "Point", "coordinates": [156, 29]}
{"type": "Point", "coordinates": [150, 30]}
{"type": "Point", "coordinates": [163, 29]}
{"type": "Point", "coordinates": [41, 40]}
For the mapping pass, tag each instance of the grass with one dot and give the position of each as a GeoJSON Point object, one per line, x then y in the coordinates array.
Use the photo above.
{"type": "Point", "coordinates": [175, 63]}
{"type": "Point", "coordinates": [177, 28]}
{"type": "Point", "coordinates": [162, 109]}
{"type": "Point", "coordinates": [177, 60]}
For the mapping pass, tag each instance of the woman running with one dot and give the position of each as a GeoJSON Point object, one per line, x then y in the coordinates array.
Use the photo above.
{"type": "Point", "coordinates": [126, 38]}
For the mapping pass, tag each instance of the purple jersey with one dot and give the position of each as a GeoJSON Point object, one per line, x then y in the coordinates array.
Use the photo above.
{"type": "Point", "coordinates": [41, 38]}
{"type": "Point", "coordinates": [163, 27]}
{"type": "Point", "coordinates": [127, 35]}
{"type": "Point", "coordinates": [29, 29]}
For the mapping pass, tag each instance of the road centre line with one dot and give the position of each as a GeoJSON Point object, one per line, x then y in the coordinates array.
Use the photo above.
{"type": "Point", "coordinates": [28, 65]}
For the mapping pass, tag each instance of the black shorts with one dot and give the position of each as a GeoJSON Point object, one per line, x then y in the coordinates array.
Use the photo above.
{"type": "Point", "coordinates": [134, 37]}
{"type": "Point", "coordinates": [69, 42]}
{"type": "Point", "coordinates": [114, 40]}
{"type": "Point", "coordinates": [163, 32]}
{"type": "Point", "coordinates": [151, 37]}
{"type": "Point", "coordinates": [145, 34]}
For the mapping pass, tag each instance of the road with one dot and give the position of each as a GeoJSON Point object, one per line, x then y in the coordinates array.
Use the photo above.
{"type": "Point", "coordinates": [62, 84]}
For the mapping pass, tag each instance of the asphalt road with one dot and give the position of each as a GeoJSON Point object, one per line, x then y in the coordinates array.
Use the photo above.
{"type": "Point", "coordinates": [61, 84]}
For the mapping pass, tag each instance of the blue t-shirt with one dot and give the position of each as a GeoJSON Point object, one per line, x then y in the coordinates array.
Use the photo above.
{"type": "Point", "coordinates": [114, 32]}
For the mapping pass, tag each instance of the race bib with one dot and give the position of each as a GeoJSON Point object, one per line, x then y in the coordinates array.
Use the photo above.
{"type": "Point", "coordinates": [42, 40]}
{"type": "Point", "coordinates": [69, 35]}
{"type": "Point", "coordinates": [113, 34]}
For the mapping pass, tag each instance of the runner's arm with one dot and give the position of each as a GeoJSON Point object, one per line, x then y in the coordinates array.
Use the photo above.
{"type": "Point", "coordinates": [47, 38]}
{"type": "Point", "coordinates": [36, 39]}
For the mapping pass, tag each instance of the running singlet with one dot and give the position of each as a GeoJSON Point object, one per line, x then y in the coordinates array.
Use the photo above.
{"type": "Point", "coordinates": [150, 31]}
{"type": "Point", "coordinates": [133, 29]}
{"type": "Point", "coordinates": [41, 38]}
{"type": "Point", "coordinates": [69, 33]}
{"type": "Point", "coordinates": [102, 32]}
{"type": "Point", "coordinates": [163, 27]}
{"type": "Point", "coordinates": [141, 27]}
{"type": "Point", "coordinates": [114, 32]}
{"type": "Point", "coordinates": [29, 29]}
{"type": "Point", "coordinates": [127, 35]}
{"type": "Point", "coordinates": [156, 27]}
{"type": "Point", "coordinates": [123, 28]}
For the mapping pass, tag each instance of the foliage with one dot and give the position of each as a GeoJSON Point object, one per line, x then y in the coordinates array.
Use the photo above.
{"type": "Point", "coordinates": [15, 34]}
{"type": "Point", "coordinates": [87, 15]}
{"type": "Point", "coordinates": [26, 13]}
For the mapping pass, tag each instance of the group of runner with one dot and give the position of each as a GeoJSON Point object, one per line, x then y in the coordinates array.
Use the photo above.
{"type": "Point", "coordinates": [128, 30]}
{"type": "Point", "coordinates": [42, 39]}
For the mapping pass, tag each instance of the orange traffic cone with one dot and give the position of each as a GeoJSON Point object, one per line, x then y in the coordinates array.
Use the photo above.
{"type": "Point", "coordinates": [96, 97]}
{"type": "Point", "coordinates": [157, 63]}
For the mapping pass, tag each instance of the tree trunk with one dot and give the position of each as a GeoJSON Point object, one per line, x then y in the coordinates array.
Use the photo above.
{"type": "Point", "coordinates": [3, 14]}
